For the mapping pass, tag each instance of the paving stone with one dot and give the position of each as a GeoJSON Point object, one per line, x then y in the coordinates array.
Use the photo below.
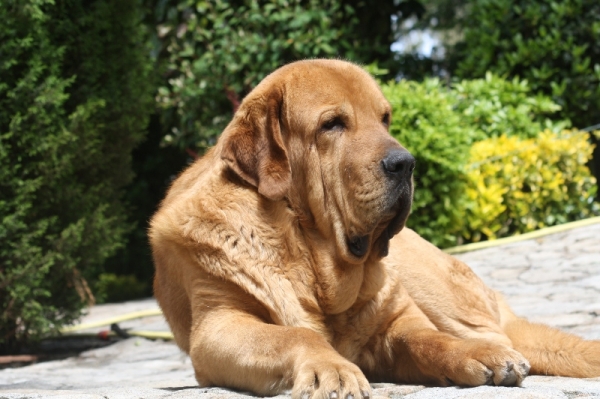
{"type": "Point", "coordinates": [550, 274]}
{"type": "Point", "coordinates": [583, 246]}
{"type": "Point", "coordinates": [508, 274]}
{"type": "Point", "coordinates": [587, 259]}
{"type": "Point", "coordinates": [584, 292]}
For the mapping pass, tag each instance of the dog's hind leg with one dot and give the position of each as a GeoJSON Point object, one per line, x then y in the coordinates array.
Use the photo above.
{"type": "Point", "coordinates": [549, 350]}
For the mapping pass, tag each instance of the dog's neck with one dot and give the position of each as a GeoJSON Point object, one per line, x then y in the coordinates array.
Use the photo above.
{"type": "Point", "coordinates": [339, 284]}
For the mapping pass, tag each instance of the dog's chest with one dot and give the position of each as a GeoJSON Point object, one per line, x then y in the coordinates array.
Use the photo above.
{"type": "Point", "coordinates": [355, 330]}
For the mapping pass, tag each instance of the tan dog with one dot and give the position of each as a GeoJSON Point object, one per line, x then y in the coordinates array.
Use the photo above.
{"type": "Point", "coordinates": [272, 263]}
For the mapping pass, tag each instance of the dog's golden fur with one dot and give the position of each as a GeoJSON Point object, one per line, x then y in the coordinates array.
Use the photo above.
{"type": "Point", "coordinates": [282, 261]}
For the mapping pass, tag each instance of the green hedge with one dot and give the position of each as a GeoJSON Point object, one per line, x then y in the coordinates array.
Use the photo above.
{"type": "Point", "coordinates": [74, 101]}
{"type": "Point", "coordinates": [554, 45]}
{"type": "Point", "coordinates": [110, 287]}
{"type": "Point", "coordinates": [439, 125]}
{"type": "Point", "coordinates": [425, 122]}
{"type": "Point", "coordinates": [217, 51]}
{"type": "Point", "coordinates": [496, 106]}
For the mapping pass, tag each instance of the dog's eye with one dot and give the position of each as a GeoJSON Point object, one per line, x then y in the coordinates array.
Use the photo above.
{"type": "Point", "coordinates": [386, 119]}
{"type": "Point", "coordinates": [334, 124]}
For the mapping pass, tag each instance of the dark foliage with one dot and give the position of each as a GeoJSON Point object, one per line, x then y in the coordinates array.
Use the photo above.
{"type": "Point", "coordinates": [74, 101]}
{"type": "Point", "coordinates": [555, 45]}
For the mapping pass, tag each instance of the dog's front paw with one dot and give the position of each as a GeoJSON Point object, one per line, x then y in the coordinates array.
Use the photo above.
{"type": "Point", "coordinates": [478, 362]}
{"type": "Point", "coordinates": [330, 379]}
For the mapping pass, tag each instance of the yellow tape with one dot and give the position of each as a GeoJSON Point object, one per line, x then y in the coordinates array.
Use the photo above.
{"type": "Point", "coordinates": [526, 236]}
{"type": "Point", "coordinates": [108, 322]}
{"type": "Point", "coordinates": [152, 334]}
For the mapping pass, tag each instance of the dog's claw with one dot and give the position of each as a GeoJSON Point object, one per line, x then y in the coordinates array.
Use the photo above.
{"type": "Point", "coordinates": [489, 377]}
{"type": "Point", "coordinates": [510, 377]}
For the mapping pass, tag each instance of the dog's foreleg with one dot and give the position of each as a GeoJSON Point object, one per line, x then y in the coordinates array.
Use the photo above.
{"type": "Point", "coordinates": [425, 355]}
{"type": "Point", "coordinates": [236, 349]}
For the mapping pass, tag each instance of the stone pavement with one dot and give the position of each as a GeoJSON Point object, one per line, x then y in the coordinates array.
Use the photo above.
{"type": "Point", "coordinates": [554, 279]}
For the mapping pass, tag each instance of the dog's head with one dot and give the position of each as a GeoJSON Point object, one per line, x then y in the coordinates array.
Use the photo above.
{"type": "Point", "coordinates": [315, 133]}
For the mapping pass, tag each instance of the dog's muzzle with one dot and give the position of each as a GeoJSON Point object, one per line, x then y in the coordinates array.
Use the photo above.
{"type": "Point", "coordinates": [398, 164]}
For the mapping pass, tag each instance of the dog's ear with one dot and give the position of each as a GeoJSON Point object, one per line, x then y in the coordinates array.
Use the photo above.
{"type": "Point", "coordinates": [254, 149]}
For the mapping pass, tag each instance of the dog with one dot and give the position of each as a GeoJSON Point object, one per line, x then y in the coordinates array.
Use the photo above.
{"type": "Point", "coordinates": [283, 261]}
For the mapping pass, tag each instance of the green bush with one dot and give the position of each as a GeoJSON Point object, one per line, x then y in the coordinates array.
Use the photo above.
{"type": "Point", "coordinates": [110, 287]}
{"type": "Point", "coordinates": [425, 122]}
{"type": "Point", "coordinates": [439, 124]}
{"type": "Point", "coordinates": [498, 106]}
{"type": "Point", "coordinates": [554, 45]}
{"type": "Point", "coordinates": [518, 185]}
{"type": "Point", "coordinates": [217, 51]}
{"type": "Point", "coordinates": [74, 100]}
{"type": "Point", "coordinates": [154, 167]}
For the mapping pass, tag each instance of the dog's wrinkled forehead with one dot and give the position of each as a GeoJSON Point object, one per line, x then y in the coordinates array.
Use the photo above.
{"type": "Point", "coordinates": [335, 83]}
{"type": "Point", "coordinates": [314, 84]}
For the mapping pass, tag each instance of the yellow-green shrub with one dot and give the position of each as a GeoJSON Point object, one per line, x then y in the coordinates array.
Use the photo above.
{"type": "Point", "coordinates": [438, 123]}
{"type": "Point", "coordinates": [518, 185]}
{"type": "Point", "coordinates": [425, 122]}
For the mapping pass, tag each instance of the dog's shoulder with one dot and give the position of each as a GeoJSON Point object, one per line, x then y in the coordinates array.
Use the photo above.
{"type": "Point", "coordinates": [236, 235]}
{"type": "Point", "coordinates": [203, 203]}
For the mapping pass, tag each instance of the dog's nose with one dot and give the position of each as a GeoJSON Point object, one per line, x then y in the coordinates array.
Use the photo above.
{"type": "Point", "coordinates": [398, 163]}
